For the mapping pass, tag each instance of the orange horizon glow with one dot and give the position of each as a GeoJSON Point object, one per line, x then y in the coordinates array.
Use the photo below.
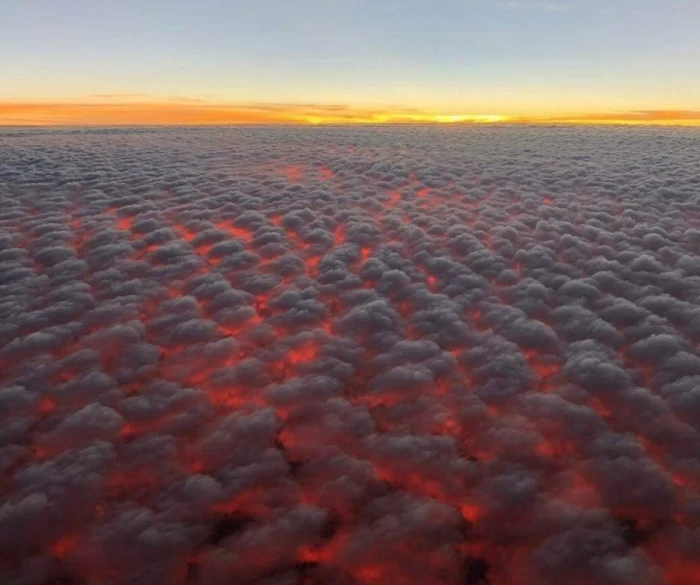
{"type": "Point", "coordinates": [196, 112]}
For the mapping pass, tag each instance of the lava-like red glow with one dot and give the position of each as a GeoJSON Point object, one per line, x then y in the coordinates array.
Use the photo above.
{"type": "Point", "coordinates": [184, 232]}
{"type": "Point", "coordinates": [124, 223]}
{"type": "Point", "coordinates": [339, 235]}
{"type": "Point", "coordinates": [239, 233]}
{"type": "Point", "coordinates": [46, 405]}
{"type": "Point", "coordinates": [364, 254]}
{"type": "Point", "coordinates": [294, 174]}
{"type": "Point", "coordinates": [471, 512]}
{"type": "Point", "coordinates": [325, 174]}
{"type": "Point", "coordinates": [64, 545]}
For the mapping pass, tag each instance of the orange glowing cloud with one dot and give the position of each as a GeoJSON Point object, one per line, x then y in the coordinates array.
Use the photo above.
{"type": "Point", "coordinates": [664, 117]}
{"type": "Point", "coordinates": [133, 109]}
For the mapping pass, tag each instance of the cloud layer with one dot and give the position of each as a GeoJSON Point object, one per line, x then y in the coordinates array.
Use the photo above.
{"type": "Point", "coordinates": [328, 356]}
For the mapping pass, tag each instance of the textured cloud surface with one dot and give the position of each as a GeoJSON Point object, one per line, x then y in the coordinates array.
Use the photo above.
{"type": "Point", "coordinates": [350, 357]}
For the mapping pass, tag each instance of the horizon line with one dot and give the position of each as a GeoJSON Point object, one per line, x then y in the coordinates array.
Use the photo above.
{"type": "Point", "coordinates": [193, 125]}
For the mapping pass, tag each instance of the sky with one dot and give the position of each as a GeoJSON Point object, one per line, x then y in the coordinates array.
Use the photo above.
{"type": "Point", "coordinates": [213, 61]}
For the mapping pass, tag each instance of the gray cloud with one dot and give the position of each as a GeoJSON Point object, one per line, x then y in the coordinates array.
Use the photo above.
{"type": "Point", "coordinates": [342, 356]}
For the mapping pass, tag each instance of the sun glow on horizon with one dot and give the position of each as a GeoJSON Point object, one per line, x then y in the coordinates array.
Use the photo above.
{"type": "Point", "coordinates": [130, 112]}
{"type": "Point", "coordinates": [406, 118]}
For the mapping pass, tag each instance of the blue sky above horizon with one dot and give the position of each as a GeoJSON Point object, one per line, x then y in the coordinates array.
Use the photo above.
{"type": "Point", "coordinates": [478, 56]}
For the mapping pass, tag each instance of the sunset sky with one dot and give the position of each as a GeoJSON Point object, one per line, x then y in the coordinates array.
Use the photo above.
{"type": "Point", "coordinates": [316, 61]}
